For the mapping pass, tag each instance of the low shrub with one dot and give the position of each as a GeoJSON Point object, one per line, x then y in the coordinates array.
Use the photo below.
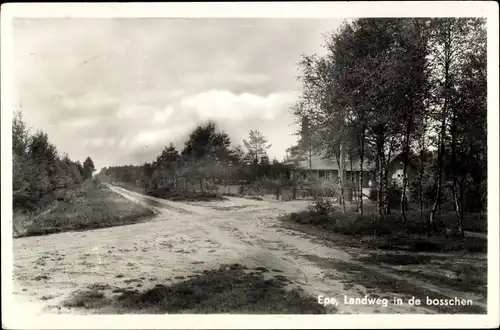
{"type": "Point", "coordinates": [323, 212]}
{"type": "Point", "coordinates": [321, 206]}
{"type": "Point", "coordinates": [83, 208]}
{"type": "Point", "coordinates": [183, 195]}
{"type": "Point", "coordinates": [390, 232]}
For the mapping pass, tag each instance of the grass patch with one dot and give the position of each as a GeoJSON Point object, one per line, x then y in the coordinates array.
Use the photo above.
{"type": "Point", "coordinates": [229, 208]}
{"type": "Point", "coordinates": [187, 196]}
{"type": "Point", "coordinates": [88, 299]}
{"type": "Point", "coordinates": [229, 289]}
{"type": "Point", "coordinates": [462, 275]}
{"type": "Point", "coordinates": [90, 206]}
{"type": "Point", "coordinates": [354, 275]}
{"type": "Point", "coordinates": [257, 198]}
{"type": "Point", "coordinates": [390, 233]}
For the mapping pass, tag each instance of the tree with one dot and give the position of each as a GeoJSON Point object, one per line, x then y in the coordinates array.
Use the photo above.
{"type": "Point", "coordinates": [166, 165]}
{"type": "Point", "coordinates": [37, 168]}
{"type": "Point", "coordinates": [20, 135]}
{"type": "Point", "coordinates": [256, 145]}
{"type": "Point", "coordinates": [205, 140]}
{"type": "Point", "coordinates": [467, 152]}
{"type": "Point", "coordinates": [168, 155]}
{"type": "Point", "coordinates": [351, 87]}
{"type": "Point", "coordinates": [88, 168]}
{"type": "Point", "coordinates": [412, 90]}
{"type": "Point", "coordinates": [237, 154]}
{"type": "Point", "coordinates": [454, 42]}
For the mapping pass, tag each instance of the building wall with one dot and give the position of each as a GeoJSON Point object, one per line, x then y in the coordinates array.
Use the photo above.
{"type": "Point", "coordinates": [333, 175]}
{"type": "Point", "coordinates": [229, 189]}
{"type": "Point", "coordinates": [395, 173]}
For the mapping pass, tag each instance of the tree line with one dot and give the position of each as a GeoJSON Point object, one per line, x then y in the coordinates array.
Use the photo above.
{"type": "Point", "coordinates": [207, 157]}
{"type": "Point", "coordinates": [39, 169]}
{"type": "Point", "coordinates": [409, 86]}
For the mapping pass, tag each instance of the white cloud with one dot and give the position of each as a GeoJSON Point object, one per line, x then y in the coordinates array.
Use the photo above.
{"type": "Point", "coordinates": [151, 137]}
{"type": "Point", "coordinates": [162, 116]}
{"type": "Point", "coordinates": [80, 122]}
{"type": "Point", "coordinates": [135, 111]}
{"type": "Point", "coordinates": [222, 104]}
{"type": "Point", "coordinates": [123, 142]}
{"type": "Point", "coordinates": [176, 74]}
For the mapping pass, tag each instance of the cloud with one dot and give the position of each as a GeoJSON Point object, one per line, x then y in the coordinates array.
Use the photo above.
{"type": "Point", "coordinates": [162, 116]}
{"type": "Point", "coordinates": [151, 137]}
{"type": "Point", "coordinates": [80, 122]}
{"type": "Point", "coordinates": [109, 88]}
{"type": "Point", "coordinates": [222, 104]}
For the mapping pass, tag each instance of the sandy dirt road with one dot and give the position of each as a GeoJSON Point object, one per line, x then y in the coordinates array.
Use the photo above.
{"type": "Point", "coordinates": [183, 239]}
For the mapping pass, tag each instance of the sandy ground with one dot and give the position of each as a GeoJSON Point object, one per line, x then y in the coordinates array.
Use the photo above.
{"type": "Point", "coordinates": [183, 239]}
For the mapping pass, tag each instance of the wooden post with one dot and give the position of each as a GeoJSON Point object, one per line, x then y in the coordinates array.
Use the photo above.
{"type": "Point", "coordinates": [341, 172]}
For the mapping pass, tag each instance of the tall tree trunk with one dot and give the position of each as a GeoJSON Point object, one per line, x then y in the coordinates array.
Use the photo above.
{"type": "Point", "coordinates": [457, 187]}
{"type": "Point", "coordinates": [385, 161]}
{"type": "Point", "coordinates": [387, 204]}
{"type": "Point", "coordinates": [439, 177]}
{"type": "Point", "coordinates": [442, 133]}
{"type": "Point", "coordinates": [456, 201]}
{"type": "Point", "coordinates": [380, 184]}
{"type": "Point", "coordinates": [460, 223]}
{"type": "Point", "coordinates": [421, 169]}
{"type": "Point", "coordinates": [353, 181]}
{"type": "Point", "coordinates": [361, 161]}
{"type": "Point", "coordinates": [406, 151]}
{"type": "Point", "coordinates": [340, 162]}
{"type": "Point", "coordinates": [420, 186]}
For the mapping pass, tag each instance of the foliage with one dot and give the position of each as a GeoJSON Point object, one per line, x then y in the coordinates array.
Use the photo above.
{"type": "Point", "coordinates": [205, 141]}
{"type": "Point", "coordinates": [39, 172]}
{"type": "Point", "coordinates": [207, 159]}
{"type": "Point", "coordinates": [85, 206]}
{"type": "Point", "coordinates": [88, 168]}
{"type": "Point", "coordinates": [257, 146]}
{"type": "Point", "coordinates": [403, 85]}
{"type": "Point", "coordinates": [391, 233]}
{"type": "Point", "coordinates": [321, 206]}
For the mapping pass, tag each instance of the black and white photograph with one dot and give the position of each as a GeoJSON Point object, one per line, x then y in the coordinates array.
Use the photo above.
{"type": "Point", "coordinates": [277, 160]}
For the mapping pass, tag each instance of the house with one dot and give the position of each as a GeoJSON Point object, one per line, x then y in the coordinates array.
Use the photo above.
{"type": "Point", "coordinates": [326, 168]}
{"type": "Point", "coordinates": [308, 164]}
{"type": "Point", "coordinates": [395, 169]}
{"type": "Point", "coordinates": [323, 168]}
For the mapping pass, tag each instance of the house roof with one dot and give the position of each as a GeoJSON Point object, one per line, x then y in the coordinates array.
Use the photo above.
{"type": "Point", "coordinates": [319, 162]}
{"type": "Point", "coordinates": [327, 163]}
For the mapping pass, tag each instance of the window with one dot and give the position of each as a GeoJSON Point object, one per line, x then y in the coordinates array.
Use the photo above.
{"type": "Point", "coordinates": [328, 175]}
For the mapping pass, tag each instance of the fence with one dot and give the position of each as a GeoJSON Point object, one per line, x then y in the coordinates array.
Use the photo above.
{"type": "Point", "coordinates": [286, 194]}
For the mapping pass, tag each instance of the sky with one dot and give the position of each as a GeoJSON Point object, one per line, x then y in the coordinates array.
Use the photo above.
{"type": "Point", "coordinates": [119, 90]}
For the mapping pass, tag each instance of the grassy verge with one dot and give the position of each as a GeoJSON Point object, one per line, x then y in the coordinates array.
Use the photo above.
{"type": "Point", "coordinates": [90, 206]}
{"type": "Point", "coordinates": [389, 233]}
{"type": "Point", "coordinates": [378, 285]}
{"type": "Point", "coordinates": [443, 259]}
{"type": "Point", "coordinates": [229, 289]}
{"type": "Point", "coordinates": [187, 196]}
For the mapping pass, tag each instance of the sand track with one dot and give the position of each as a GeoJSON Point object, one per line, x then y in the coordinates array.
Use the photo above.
{"type": "Point", "coordinates": [181, 240]}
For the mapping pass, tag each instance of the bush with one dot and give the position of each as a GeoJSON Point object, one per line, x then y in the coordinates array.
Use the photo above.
{"type": "Point", "coordinates": [321, 212]}
{"type": "Point", "coordinates": [390, 233]}
{"type": "Point", "coordinates": [321, 206]}
{"type": "Point", "coordinates": [394, 196]}
{"type": "Point", "coordinates": [263, 186]}
{"type": "Point", "coordinates": [183, 195]}
{"type": "Point", "coordinates": [326, 188]}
